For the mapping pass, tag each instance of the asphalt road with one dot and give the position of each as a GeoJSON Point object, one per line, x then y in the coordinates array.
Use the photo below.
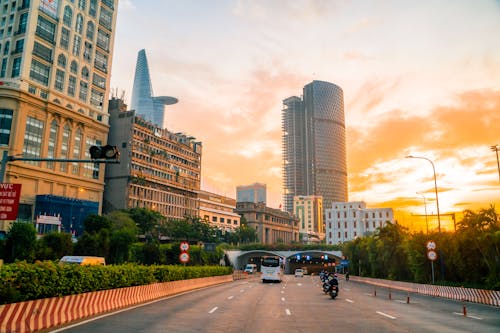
{"type": "Point", "coordinates": [295, 305]}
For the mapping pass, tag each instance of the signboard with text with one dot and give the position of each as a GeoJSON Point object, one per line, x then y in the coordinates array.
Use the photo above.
{"type": "Point", "coordinates": [9, 201]}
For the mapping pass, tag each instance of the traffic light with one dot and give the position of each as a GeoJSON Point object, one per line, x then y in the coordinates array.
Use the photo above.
{"type": "Point", "coordinates": [107, 152]}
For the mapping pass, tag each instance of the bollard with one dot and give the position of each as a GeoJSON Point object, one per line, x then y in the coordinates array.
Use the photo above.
{"type": "Point", "coordinates": [464, 308]}
{"type": "Point", "coordinates": [390, 296]}
{"type": "Point", "coordinates": [408, 298]}
{"type": "Point", "coordinates": [375, 292]}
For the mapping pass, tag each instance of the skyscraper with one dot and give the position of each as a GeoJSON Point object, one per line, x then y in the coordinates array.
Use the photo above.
{"type": "Point", "coordinates": [143, 101]}
{"type": "Point", "coordinates": [255, 192]}
{"type": "Point", "coordinates": [314, 144]}
{"type": "Point", "coordinates": [55, 67]}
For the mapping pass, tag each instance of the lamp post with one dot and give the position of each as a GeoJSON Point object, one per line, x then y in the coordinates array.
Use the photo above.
{"type": "Point", "coordinates": [495, 149]}
{"type": "Point", "coordinates": [435, 187]}
{"type": "Point", "coordinates": [425, 207]}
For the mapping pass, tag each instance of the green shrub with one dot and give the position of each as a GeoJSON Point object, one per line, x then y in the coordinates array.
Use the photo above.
{"type": "Point", "coordinates": [22, 281]}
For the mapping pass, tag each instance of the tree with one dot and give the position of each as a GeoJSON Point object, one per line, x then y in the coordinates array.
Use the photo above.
{"type": "Point", "coordinates": [21, 240]}
{"type": "Point", "coordinates": [145, 219]}
{"type": "Point", "coordinates": [123, 235]}
{"type": "Point", "coordinates": [55, 245]}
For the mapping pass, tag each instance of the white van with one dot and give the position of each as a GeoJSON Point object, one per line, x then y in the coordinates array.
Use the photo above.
{"type": "Point", "coordinates": [250, 268]}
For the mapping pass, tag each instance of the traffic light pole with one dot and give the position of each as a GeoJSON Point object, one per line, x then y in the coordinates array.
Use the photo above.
{"type": "Point", "coordinates": [6, 158]}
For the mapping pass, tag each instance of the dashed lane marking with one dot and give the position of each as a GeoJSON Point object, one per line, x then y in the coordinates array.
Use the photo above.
{"type": "Point", "coordinates": [213, 310]}
{"type": "Point", "coordinates": [230, 297]}
{"type": "Point", "coordinates": [283, 299]}
{"type": "Point", "coordinates": [348, 300]}
{"type": "Point", "coordinates": [468, 316]}
{"type": "Point", "coordinates": [288, 312]}
{"type": "Point", "coordinates": [386, 315]}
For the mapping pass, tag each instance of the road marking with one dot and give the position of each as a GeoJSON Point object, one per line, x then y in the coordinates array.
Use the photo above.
{"type": "Point", "coordinates": [469, 316]}
{"type": "Point", "coordinates": [213, 310]}
{"type": "Point", "coordinates": [348, 289]}
{"type": "Point", "coordinates": [230, 297]}
{"type": "Point", "coordinates": [400, 301]}
{"type": "Point", "coordinates": [282, 292]}
{"type": "Point", "coordinates": [348, 300]}
{"type": "Point", "coordinates": [242, 290]}
{"type": "Point", "coordinates": [283, 299]}
{"type": "Point", "coordinates": [299, 284]}
{"type": "Point", "coordinates": [288, 312]}
{"type": "Point", "coordinates": [386, 315]}
{"type": "Point", "coordinates": [368, 294]}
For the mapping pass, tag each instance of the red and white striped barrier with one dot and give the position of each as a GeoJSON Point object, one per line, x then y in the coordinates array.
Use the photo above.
{"type": "Point", "coordinates": [31, 316]}
{"type": "Point", "coordinates": [489, 297]}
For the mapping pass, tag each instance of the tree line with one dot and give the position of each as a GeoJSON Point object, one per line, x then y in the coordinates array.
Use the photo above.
{"type": "Point", "coordinates": [132, 235]}
{"type": "Point", "coordinates": [469, 257]}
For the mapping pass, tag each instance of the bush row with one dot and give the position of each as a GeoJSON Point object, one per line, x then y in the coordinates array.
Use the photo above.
{"type": "Point", "coordinates": [22, 281]}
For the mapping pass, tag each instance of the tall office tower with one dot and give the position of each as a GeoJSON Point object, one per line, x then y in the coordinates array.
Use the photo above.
{"type": "Point", "coordinates": [54, 76]}
{"type": "Point", "coordinates": [314, 144]}
{"type": "Point", "coordinates": [143, 101]}
{"type": "Point", "coordinates": [255, 192]}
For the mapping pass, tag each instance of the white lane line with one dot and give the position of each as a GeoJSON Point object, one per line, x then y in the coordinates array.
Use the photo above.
{"type": "Point", "coordinates": [242, 290]}
{"type": "Point", "coordinates": [348, 300]}
{"type": "Point", "coordinates": [386, 315]}
{"type": "Point", "coordinates": [283, 299]}
{"type": "Point", "coordinates": [213, 310]}
{"type": "Point", "coordinates": [368, 294]}
{"type": "Point", "coordinates": [348, 289]}
{"type": "Point", "coordinates": [288, 312]}
{"type": "Point", "coordinates": [282, 292]}
{"type": "Point", "coordinates": [469, 316]}
{"type": "Point", "coordinates": [230, 297]}
{"type": "Point", "coordinates": [399, 301]}
{"type": "Point", "coordinates": [299, 284]}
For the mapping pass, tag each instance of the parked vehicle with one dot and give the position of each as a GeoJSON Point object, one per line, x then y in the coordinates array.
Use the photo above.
{"type": "Point", "coordinates": [83, 260]}
{"type": "Point", "coordinates": [299, 272]}
{"type": "Point", "coordinates": [250, 268]}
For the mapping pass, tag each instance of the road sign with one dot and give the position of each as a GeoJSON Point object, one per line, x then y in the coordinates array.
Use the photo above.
{"type": "Point", "coordinates": [184, 257]}
{"type": "Point", "coordinates": [9, 201]}
{"type": "Point", "coordinates": [184, 246]}
{"type": "Point", "coordinates": [431, 245]}
{"type": "Point", "coordinates": [432, 255]}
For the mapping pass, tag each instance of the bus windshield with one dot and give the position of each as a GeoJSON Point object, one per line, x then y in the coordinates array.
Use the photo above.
{"type": "Point", "coordinates": [271, 262]}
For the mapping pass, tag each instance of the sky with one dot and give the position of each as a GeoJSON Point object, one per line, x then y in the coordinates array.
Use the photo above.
{"type": "Point", "coordinates": [420, 78]}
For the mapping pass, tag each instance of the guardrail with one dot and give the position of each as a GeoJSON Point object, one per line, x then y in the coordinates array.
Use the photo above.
{"type": "Point", "coordinates": [489, 297]}
{"type": "Point", "coordinates": [41, 314]}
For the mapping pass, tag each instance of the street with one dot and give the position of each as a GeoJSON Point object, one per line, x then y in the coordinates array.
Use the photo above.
{"type": "Point", "coordinates": [295, 305]}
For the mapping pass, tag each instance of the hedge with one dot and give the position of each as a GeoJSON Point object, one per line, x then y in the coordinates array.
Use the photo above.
{"type": "Point", "coordinates": [22, 281]}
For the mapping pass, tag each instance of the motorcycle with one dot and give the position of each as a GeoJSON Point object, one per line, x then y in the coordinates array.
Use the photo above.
{"type": "Point", "coordinates": [333, 291]}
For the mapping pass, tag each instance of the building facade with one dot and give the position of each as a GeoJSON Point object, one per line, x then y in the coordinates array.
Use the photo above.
{"type": "Point", "coordinates": [255, 192]}
{"type": "Point", "coordinates": [218, 211]}
{"type": "Point", "coordinates": [309, 210]}
{"type": "Point", "coordinates": [347, 220]}
{"type": "Point", "coordinates": [158, 170]}
{"type": "Point", "coordinates": [146, 105]}
{"type": "Point", "coordinates": [272, 226]}
{"type": "Point", "coordinates": [314, 144]}
{"type": "Point", "coordinates": [55, 71]}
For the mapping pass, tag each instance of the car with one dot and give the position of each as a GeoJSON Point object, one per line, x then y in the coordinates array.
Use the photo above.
{"type": "Point", "coordinates": [250, 268]}
{"type": "Point", "coordinates": [299, 272]}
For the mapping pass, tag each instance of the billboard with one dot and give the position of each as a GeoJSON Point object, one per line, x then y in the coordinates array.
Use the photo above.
{"type": "Point", "coordinates": [9, 201]}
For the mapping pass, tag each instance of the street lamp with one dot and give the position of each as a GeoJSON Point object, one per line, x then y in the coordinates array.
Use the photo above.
{"type": "Point", "coordinates": [495, 149]}
{"type": "Point", "coordinates": [425, 206]}
{"type": "Point", "coordinates": [435, 186]}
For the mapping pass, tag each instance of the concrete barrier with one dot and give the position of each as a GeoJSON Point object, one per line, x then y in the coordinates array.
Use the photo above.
{"type": "Point", "coordinates": [36, 315]}
{"type": "Point", "coordinates": [489, 297]}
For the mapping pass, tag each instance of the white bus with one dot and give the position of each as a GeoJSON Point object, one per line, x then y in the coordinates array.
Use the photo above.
{"type": "Point", "coordinates": [271, 269]}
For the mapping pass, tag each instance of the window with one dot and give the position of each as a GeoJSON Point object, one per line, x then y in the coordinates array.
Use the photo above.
{"type": "Point", "coordinates": [64, 41]}
{"type": "Point", "coordinates": [5, 126]}
{"type": "Point", "coordinates": [19, 46]}
{"type": "Point", "coordinates": [93, 8]}
{"type": "Point", "coordinates": [85, 73]}
{"type": "Point", "coordinates": [105, 18]}
{"type": "Point", "coordinates": [99, 81]}
{"type": "Point", "coordinates": [4, 67]}
{"type": "Point", "coordinates": [103, 40]}
{"type": "Point", "coordinates": [77, 40]}
{"type": "Point", "coordinates": [77, 146]}
{"type": "Point", "coordinates": [87, 52]}
{"type": "Point", "coordinates": [61, 61]}
{"type": "Point", "coordinates": [82, 4]}
{"type": "Point", "coordinates": [42, 51]}
{"type": "Point", "coordinates": [33, 135]}
{"type": "Point", "coordinates": [71, 85]}
{"type": "Point", "coordinates": [6, 48]}
{"type": "Point", "coordinates": [74, 67]}
{"type": "Point", "coordinates": [45, 29]}
{"type": "Point", "coordinates": [23, 21]}
{"type": "Point", "coordinates": [83, 91]}
{"type": "Point", "coordinates": [67, 16]}
{"type": "Point", "coordinates": [101, 61]}
{"type": "Point", "coordinates": [79, 24]}
{"type": "Point", "coordinates": [51, 148]}
{"type": "Point", "coordinates": [97, 98]}
{"type": "Point", "coordinates": [214, 218]}
{"type": "Point", "coordinates": [66, 135]}
{"type": "Point", "coordinates": [59, 84]}
{"type": "Point", "coordinates": [16, 67]}
{"type": "Point", "coordinates": [39, 72]}
{"type": "Point", "coordinates": [90, 30]}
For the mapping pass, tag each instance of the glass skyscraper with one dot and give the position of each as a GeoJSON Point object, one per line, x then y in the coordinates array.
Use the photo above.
{"type": "Point", "coordinates": [314, 144]}
{"type": "Point", "coordinates": [143, 100]}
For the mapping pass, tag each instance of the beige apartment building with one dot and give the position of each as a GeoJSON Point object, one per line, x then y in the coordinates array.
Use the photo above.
{"type": "Point", "coordinates": [218, 211]}
{"type": "Point", "coordinates": [309, 210]}
{"type": "Point", "coordinates": [54, 78]}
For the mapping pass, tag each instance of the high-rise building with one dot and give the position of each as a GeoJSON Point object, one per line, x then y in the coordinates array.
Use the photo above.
{"type": "Point", "coordinates": [54, 79]}
{"type": "Point", "coordinates": [255, 192]}
{"type": "Point", "coordinates": [309, 210]}
{"type": "Point", "coordinates": [144, 102]}
{"type": "Point", "coordinates": [314, 144]}
{"type": "Point", "coordinates": [159, 170]}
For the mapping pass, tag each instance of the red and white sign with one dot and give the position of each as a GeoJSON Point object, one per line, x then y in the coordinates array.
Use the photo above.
{"type": "Point", "coordinates": [184, 257]}
{"type": "Point", "coordinates": [184, 246]}
{"type": "Point", "coordinates": [431, 245]}
{"type": "Point", "coordinates": [432, 255]}
{"type": "Point", "coordinates": [9, 201]}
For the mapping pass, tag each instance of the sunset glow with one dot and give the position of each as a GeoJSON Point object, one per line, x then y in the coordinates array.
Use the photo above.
{"type": "Point", "coordinates": [419, 79]}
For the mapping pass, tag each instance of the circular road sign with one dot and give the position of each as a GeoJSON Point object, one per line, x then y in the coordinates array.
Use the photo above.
{"type": "Point", "coordinates": [432, 255]}
{"type": "Point", "coordinates": [184, 257]}
{"type": "Point", "coordinates": [431, 245]}
{"type": "Point", "coordinates": [184, 246]}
